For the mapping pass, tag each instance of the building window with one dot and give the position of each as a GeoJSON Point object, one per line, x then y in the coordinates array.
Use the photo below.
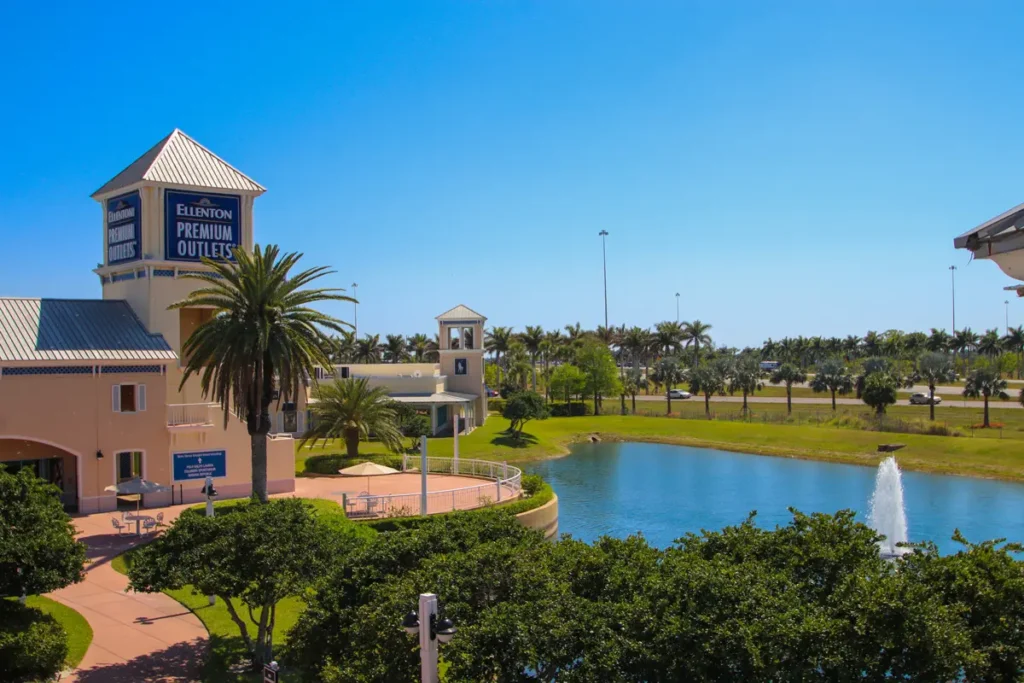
{"type": "Point", "coordinates": [128, 398]}
{"type": "Point", "coordinates": [467, 337]}
{"type": "Point", "coordinates": [129, 465]}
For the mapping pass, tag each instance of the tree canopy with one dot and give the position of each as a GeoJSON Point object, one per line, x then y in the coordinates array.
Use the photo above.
{"type": "Point", "coordinates": [598, 366]}
{"type": "Point", "coordinates": [38, 550]}
{"type": "Point", "coordinates": [350, 409]}
{"type": "Point", "coordinates": [522, 407]}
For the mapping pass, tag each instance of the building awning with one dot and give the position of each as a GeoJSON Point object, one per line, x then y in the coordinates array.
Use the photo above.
{"type": "Point", "coordinates": [443, 397]}
{"type": "Point", "coordinates": [995, 230]}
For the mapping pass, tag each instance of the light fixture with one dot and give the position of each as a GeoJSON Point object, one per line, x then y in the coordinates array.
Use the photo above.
{"type": "Point", "coordinates": [446, 630]}
{"type": "Point", "coordinates": [99, 455]}
{"type": "Point", "coordinates": [411, 623]}
{"type": "Point", "coordinates": [208, 489]}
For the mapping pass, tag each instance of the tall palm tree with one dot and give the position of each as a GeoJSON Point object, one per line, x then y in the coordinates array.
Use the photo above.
{"type": "Point", "coordinates": [1013, 341]}
{"type": "Point", "coordinates": [532, 339]}
{"type": "Point", "coordinates": [989, 345]}
{"type": "Point", "coordinates": [851, 346]}
{"type": "Point", "coordinates": [605, 334]}
{"type": "Point", "coordinates": [349, 409]}
{"type": "Point", "coordinates": [394, 348]}
{"type": "Point", "coordinates": [368, 349]}
{"type": "Point", "coordinates": [938, 341]}
{"type": "Point", "coordinates": [262, 328]}
{"type": "Point", "coordinates": [964, 341]}
{"type": "Point", "coordinates": [496, 341]}
{"type": "Point", "coordinates": [833, 376]}
{"type": "Point", "coordinates": [696, 333]}
{"type": "Point", "coordinates": [934, 367]}
{"type": "Point", "coordinates": [708, 379]}
{"type": "Point", "coordinates": [745, 377]}
{"type": "Point", "coordinates": [345, 348]}
{"type": "Point", "coordinates": [789, 375]}
{"type": "Point", "coordinates": [669, 372]}
{"type": "Point", "coordinates": [668, 336]}
{"type": "Point", "coordinates": [985, 382]}
{"type": "Point", "coordinates": [417, 346]}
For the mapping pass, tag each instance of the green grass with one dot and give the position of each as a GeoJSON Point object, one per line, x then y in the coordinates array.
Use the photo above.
{"type": "Point", "coordinates": [983, 457]}
{"type": "Point", "coordinates": [226, 646]}
{"type": "Point", "coordinates": [78, 629]}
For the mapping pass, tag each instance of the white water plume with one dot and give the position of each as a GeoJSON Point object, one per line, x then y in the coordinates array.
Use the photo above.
{"type": "Point", "coordinates": [888, 516]}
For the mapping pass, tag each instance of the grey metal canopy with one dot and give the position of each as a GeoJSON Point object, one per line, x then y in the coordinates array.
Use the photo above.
{"type": "Point", "coordinates": [137, 486]}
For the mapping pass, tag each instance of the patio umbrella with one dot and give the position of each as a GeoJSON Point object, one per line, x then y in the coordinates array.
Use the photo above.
{"type": "Point", "coordinates": [137, 487]}
{"type": "Point", "coordinates": [367, 469]}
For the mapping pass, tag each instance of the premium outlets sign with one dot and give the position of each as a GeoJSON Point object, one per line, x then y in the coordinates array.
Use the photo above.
{"type": "Point", "coordinates": [124, 228]}
{"type": "Point", "coordinates": [201, 225]}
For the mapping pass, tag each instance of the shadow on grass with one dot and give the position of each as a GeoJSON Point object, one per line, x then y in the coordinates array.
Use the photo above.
{"type": "Point", "coordinates": [509, 440]}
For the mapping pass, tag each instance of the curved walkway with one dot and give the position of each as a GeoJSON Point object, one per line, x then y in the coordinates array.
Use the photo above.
{"type": "Point", "coordinates": [136, 636]}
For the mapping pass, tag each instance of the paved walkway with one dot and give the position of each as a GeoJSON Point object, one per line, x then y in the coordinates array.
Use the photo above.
{"type": "Point", "coordinates": [136, 636]}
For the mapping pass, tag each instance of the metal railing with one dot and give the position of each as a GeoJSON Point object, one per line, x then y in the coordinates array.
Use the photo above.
{"type": "Point", "coordinates": [188, 415]}
{"type": "Point", "coordinates": [504, 483]}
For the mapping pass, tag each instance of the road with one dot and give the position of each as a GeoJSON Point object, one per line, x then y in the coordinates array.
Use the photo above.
{"type": "Point", "coordinates": [827, 401]}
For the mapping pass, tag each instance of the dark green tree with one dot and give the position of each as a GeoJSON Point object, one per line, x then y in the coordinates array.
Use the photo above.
{"type": "Point", "coordinates": [708, 379]}
{"type": "Point", "coordinates": [522, 407]}
{"type": "Point", "coordinates": [880, 391]}
{"type": "Point", "coordinates": [789, 375]}
{"type": "Point", "coordinates": [598, 366]}
{"type": "Point", "coordinates": [350, 409]}
{"type": "Point", "coordinates": [834, 377]}
{"type": "Point", "coordinates": [984, 381]}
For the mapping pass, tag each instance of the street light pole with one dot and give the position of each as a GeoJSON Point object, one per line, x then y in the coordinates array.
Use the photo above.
{"type": "Point", "coordinates": [431, 630]}
{"type": "Point", "coordinates": [952, 279]}
{"type": "Point", "coordinates": [677, 306]}
{"type": "Point", "coordinates": [604, 263]}
{"type": "Point", "coordinates": [1006, 311]}
{"type": "Point", "coordinates": [355, 309]}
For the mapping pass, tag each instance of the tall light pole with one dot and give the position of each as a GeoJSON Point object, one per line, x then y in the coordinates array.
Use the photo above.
{"type": "Point", "coordinates": [677, 306]}
{"type": "Point", "coordinates": [604, 262]}
{"type": "Point", "coordinates": [355, 309]}
{"type": "Point", "coordinates": [952, 279]}
{"type": "Point", "coordinates": [1006, 311]}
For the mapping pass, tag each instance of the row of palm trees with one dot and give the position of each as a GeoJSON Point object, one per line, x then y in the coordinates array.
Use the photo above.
{"type": "Point", "coordinates": [345, 347]}
{"type": "Point", "coordinates": [896, 344]}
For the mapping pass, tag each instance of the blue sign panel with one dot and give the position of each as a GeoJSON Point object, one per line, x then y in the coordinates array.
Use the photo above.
{"type": "Point", "coordinates": [200, 465]}
{"type": "Point", "coordinates": [198, 225]}
{"type": "Point", "coordinates": [124, 228]}
{"type": "Point", "coordinates": [460, 366]}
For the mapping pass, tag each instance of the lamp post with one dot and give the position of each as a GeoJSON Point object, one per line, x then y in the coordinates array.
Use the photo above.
{"type": "Point", "coordinates": [1006, 313]}
{"type": "Point", "coordinates": [431, 631]}
{"type": "Point", "coordinates": [604, 265]}
{"type": "Point", "coordinates": [209, 492]}
{"type": "Point", "coordinates": [952, 280]}
{"type": "Point", "coordinates": [355, 309]}
{"type": "Point", "coordinates": [677, 306]}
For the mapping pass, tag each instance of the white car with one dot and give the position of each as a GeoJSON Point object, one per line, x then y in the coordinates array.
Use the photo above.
{"type": "Point", "coordinates": [678, 393]}
{"type": "Point", "coordinates": [923, 399]}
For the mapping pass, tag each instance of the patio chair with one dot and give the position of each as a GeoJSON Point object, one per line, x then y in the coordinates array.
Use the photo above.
{"type": "Point", "coordinates": [148, 524]}
{"type": "Point", "coordinates": [160, 518]}
{"type": "Point", "coordinates": [117, 525]}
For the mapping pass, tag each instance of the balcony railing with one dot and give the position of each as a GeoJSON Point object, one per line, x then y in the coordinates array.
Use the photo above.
{"type": "Point", "coordinates": [189, 415]}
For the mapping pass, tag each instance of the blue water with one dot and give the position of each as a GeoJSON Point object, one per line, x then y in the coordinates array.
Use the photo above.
{"type": "Point", "coordinates": [617, 489]}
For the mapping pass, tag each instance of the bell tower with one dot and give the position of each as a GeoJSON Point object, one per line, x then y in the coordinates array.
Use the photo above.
{"type": "Point", "coordinates": [461, 348]}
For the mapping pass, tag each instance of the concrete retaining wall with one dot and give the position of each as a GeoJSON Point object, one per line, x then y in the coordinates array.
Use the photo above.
{"type": "Point", "coordinates": [544, 518]}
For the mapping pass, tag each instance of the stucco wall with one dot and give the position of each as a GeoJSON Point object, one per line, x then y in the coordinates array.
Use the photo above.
{"type": "Point", "coordinates": [544, 518]}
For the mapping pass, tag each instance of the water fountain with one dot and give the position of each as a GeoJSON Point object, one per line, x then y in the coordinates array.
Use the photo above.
{"type": "Point", "coordinates": [887, 515]}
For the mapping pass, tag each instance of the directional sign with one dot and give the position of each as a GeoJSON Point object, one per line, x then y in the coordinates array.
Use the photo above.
{"type": "Point", "coordinates": [199, 465]}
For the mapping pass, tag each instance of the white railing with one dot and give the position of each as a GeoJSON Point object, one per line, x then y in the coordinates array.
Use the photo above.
{"type": "Point", "coordinates": [188, 415]}
{"type": "Point", "coordinates": [504, 483]}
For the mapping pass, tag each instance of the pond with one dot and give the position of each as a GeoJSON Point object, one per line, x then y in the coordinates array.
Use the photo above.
{"type": "Point", "coordinates": [664, 491]}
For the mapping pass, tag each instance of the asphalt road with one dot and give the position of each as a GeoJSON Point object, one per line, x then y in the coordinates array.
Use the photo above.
{"type": "Point", "coordinates": [827, 401]}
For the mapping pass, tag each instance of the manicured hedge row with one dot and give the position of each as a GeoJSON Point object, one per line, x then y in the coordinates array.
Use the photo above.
{"type": "Point", "coordinates": [330, 464]}
{"type": "Point", "coordinates": [496, 405]}
{"type": "Point", "coordinates": [542, 493]}
{"type": "Point", "coordinates": [571, 409]}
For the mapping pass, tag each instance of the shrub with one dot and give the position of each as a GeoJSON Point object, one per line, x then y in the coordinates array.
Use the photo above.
{"type": "Point", "coordinates": [532, 483]}
{"type": "Point", "coordinates": [496, 405]}
{"type": "Point", "coordinates": [33, 646]}
{"type": "Point", "coordinates": [571, 409]}
{"type": "Point", "coordinates": [331, 463]}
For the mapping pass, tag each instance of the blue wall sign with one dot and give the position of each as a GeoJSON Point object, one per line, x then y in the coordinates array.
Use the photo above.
{"type": "Point", "coordinates": [199, 465]}
{"type": "Point", "coordinates": [198, 225]}
{"type": "Point", "coordinates": [460, 366]}
{"type": "Point", "coordinates": [124, 228]}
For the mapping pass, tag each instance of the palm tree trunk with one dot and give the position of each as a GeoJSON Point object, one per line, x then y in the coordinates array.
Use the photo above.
{"type": "Point", "coordinates": [352, 442]}
{"type": "Point", "coordinates": [533, 362]}
{"type": "Point", "coordinates": [986, 412]}
{"type": "Point", "coordinates": [789, 399]}
{"type": "Point", "coordinates": [833, 400]}
{"type": "Point", "coordinates": [668, 397]}
{"type": "Point", "coordinates": [931, 403]}
{"type": "Point", "coordinates": [597, 409]}
{"type": "Point", "coordinates": [634, 404]}
{"type": "Point", "coordinates": [744, 401]}
{"type": "Point", "coordinates": [258, 446]}
{"type": "Point", "coordinates": [707, 405]}
{"type": "Point", "coordinates": [622, 397]}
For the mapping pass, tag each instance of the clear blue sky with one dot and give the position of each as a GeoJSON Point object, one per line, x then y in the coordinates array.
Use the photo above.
{"type": "Point", "coordinates": [794, 169]}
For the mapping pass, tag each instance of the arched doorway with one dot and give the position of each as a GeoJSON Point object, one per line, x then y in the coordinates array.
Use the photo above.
{"type": "Point", "coordinates": [48, 461]}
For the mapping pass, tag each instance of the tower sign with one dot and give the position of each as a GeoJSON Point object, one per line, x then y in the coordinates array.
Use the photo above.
{"type": "Point", "coordinates": [198, 225]}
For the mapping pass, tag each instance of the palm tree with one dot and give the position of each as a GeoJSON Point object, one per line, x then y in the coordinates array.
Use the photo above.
{"type": "Point", "coordinates": [668, 337]}
{"type": "Point", "coordinates": [989, 345]}
{"type": "Point", "coordinates": [872, 343]}
{"type": "Point", "coordinates": [1013, 341]}
{"type": "Point", "coordinates": [696, 333]}
{"type": "Point", "coordinates": [985, 382]}
{"type": "Point", "coordinates": [394, 348]}
{"type": "Point", "coordinates": [368, 349]}
{"type": "Point", "coordinates": [934, 367]}
{"type": "Point", "coordinates": [938, 341]}
{"type": "Point", "coordinates": [349, 409]}
{"type": "Point", "coordinates": [496, 342]}
{"type": "Point", "coordinates": [605, 334]}
{"type": "Point", "coordinates": [669, 372]}
{"type": "Point", "coordinates": [708, 379]}
{"type": "Point", "coordinates": [532, 339]}
{"type": "Point", "coordinates": [262, 328]}
{"type": "Point", "coordinates": [789, 375]}
{"type": "Point", "coordinates": [417, 346]}
{"type": "Point", "coordinates": [633, 383]}
{"type": "Point", "coordinates": [833, 376]}
{"type": "Point", "coordinates": [745, 377]}
{"type": "Point", "coordinates": [964, 341]}
{"type": "Point", "coordinates": [851, 345]}
{"type": "Point", "coordinates": [345, 347]}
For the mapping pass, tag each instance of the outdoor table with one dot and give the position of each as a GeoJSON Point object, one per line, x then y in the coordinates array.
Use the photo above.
{"type": "Point", "coordinates": [138, 521]}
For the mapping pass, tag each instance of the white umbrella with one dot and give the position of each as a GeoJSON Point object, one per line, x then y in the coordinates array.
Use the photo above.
{"type": "Point", "coordinates": [136, 487]}
{"type": "Point", "coordinates": [367, 469]}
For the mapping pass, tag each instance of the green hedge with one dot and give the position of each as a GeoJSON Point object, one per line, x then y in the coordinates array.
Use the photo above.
{"type": "Point", "coordinates": [330, 464]}
{"type": "Point", "coordinates": [496, 405]}
{"type": "Point", "coordinates": [561, 409]}
{"type": "Point", "coordinates": [541, 495]}
{"type": "Point", "coordinates": [33, 645]}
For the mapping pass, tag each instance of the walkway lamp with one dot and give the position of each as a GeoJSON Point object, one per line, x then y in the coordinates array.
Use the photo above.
{"type": "Point", "coordinates": [209, 492]}
{"type": "Point", "coordinates": [436, 631]}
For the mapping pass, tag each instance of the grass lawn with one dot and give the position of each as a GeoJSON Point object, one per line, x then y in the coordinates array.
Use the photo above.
{"type": "Point", "coordinates": [226, 646]}
{"type": "Point", "coordinates": [78, 629]}
{"type": "Point", "coordinates": [983, 457]}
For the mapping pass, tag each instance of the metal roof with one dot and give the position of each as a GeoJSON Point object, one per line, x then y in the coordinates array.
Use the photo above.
{"type": "Point", "coordinates": [439, 398]}
{"type": "Point", "coordinates": [1003, 225]}
{"type": "Point", "coordinates": [180, 160]}
{"type": "Point", "coordinates": [76, 330]}
{"type": "Point", "coordinates": [460, 312]}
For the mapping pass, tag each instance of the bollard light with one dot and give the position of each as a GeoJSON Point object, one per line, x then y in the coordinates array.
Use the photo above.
{"type": "Point", "coordinates": [446, 630]}
{"type": "Point", "coordinates": [411, 623]}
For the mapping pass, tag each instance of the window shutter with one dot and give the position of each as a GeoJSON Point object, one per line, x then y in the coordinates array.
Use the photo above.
{"type": "Point", "coordinates": [140, 398]}
{"type": "Point", "coordinates": [115, 398]}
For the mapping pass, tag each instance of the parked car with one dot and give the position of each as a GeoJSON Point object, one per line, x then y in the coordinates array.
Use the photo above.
{"type": "Point", "coordinates": [923, 399]}
{"type": "Point", "coordinates": [491, 393]}
{"type": "Point", "coordinates": [678, 393]}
